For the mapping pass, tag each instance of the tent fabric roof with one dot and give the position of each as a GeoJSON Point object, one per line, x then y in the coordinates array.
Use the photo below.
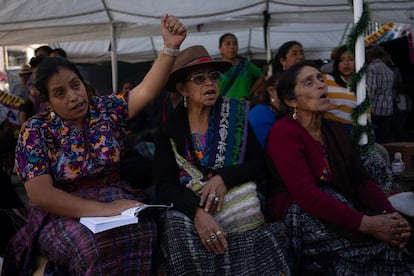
{"type": "Point", "coordinates": [83, 28]}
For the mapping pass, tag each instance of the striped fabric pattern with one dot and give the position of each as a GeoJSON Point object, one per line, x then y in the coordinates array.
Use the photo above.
{"type": "Point", "coordinates": [380, 80]}
{"type": "Point", "coordinates": [342, 101]}
{"type": "Point", "coordinates": [71, 247]}
{"type": "Point", "coordinates": [258, 252]}
{"type": "Point", "coordinates": [241, 209]}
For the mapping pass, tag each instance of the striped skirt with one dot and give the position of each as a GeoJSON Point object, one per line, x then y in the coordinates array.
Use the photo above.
{"type": "Point", "coordinates": [72, 248]}
{"type": "Point", "coordinates": [317, 251]}
{"type": "Point", "coordinates": [257, 252]}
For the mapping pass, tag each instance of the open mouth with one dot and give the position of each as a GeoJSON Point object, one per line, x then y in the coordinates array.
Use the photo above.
{"type": "Point", "coordinates": [324, 96]}
{"type": "Point", "coordinates": [210, 93]}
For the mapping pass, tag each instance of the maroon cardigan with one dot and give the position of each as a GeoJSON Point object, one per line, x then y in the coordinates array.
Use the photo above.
{"type": "Point", "coordinates": [299, 162]}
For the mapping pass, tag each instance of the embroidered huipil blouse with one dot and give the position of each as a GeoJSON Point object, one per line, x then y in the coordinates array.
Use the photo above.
{"type": "Point", "coordinates": [51, 145]}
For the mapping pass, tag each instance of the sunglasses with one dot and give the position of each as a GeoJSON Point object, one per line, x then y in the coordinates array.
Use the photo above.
{"type": "Point", "coordinates": [199, 79]}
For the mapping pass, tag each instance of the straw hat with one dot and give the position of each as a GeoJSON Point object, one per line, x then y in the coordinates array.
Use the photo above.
{"type": "Point", "coordinates": [189, 58]}
{"type": "Point", "coordinates": [25, 69]}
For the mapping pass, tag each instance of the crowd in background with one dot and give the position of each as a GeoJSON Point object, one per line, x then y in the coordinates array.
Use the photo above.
{"type": "Point", "coordinates": [324, 202]}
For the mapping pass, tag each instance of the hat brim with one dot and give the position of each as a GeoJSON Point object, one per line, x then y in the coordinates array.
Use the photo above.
{"type": "Point", "coordinates": [179, 75]}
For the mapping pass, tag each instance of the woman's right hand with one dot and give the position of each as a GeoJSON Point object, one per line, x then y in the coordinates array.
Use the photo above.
{"type": "Point", "coordinates": [173, 31]}
{"type": "Point", "coordinates": [116, 207]}
{"type": "Point", "coordinates": [391, 228]}
{"type": "Point", "coordinates": [210, 232]}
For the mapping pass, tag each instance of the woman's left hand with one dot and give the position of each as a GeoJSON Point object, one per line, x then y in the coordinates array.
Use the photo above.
{"type": "Point", "coordinates": [212, 194]}
{"type": "Point", "coordinates": [404, 230]}
{"type": "Point", "coordinates": [391, 228]}
{"type": "Point", "coordinates": [210, 232]}
{"type": "Point", "coordinates": [173, 31]}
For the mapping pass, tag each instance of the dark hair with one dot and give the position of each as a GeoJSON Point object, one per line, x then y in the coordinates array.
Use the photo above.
{"type": "Point", "coordinates": [60, 52]}
{"type": "Point", "coordinates": [375, 51]}
{"type": "Point", "coordinates": [287, 83]}
{"type": "Point", "coordinates": [281, 53]}
{"type": "Point", "coordinates": [335, 72]}
{"type": "Point", "coordinates": [44, 48]}
{"type": "Point", "coordinates": [221, 39]}
{"type": "Point", "coordinates": [46, 67]}
{"type": "Point", "coordinates": [125, 82]}
{"type": "Point", "coordinates": [263, 95]}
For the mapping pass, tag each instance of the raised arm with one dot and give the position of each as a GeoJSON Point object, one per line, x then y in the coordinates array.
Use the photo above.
{"type": "Point", "coordinates": [173, 33]}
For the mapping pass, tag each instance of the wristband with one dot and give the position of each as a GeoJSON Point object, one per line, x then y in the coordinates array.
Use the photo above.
{"type": "Point", "coordinates": [170, 51]}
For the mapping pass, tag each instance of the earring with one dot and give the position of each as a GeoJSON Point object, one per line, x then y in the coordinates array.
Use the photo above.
{"type": "Point", "coordinates": [295, 113]}
{"type": "Point", "coordinates": [52, 114]}
{"type": "Point", "coordinates": [185, 101]}
{"type": "Point", "coordinates": [284, 67]}
{"type": "Point", "coordinates": [272, 100]}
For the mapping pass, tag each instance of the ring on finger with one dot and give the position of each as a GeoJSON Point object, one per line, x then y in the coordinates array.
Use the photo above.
{"type": "Point", "coordinates": [216, 199]}
{"type": "Point", "coordinates": [213, 236]}
{"type": "Point", "coordinates": [212, 196]}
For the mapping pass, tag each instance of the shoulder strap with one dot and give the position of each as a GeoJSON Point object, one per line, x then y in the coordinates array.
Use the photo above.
{"type": "Point", "coordinates": [196, 176]}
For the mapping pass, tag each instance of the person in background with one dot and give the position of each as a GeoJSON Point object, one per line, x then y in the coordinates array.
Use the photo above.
{"type": "Point", "coordinates": [343, 102]}
{"type": "Point", "coordinates": [399, 119]}
{"type": "Point", "coordinates": [9, 199]}
{"type": "Point", "coordinates": [24, 75]}
{"type": "Point", "coordinates": [212, 136]}
{"type": "Point", "coordinates": [243, 79]}
{"type": "Point", "coordinates": [37, 105]}
{"type": "Point", "coordinates": [68, 158]}
{"type": "Point", "coordinates": [288, 54]}
{"type": "Point", "coordinates": [328, 67]}
{"type": "Point", "coordinates": [380, 81]}
{"type": "Point", "coordinates": [26, 110]}
{"type": "Point", "coordinates": [8, 140]}
{"type": "Point", "coordinates": [264, 112]}
{"type": "Point", "coordinates": [341, 222]}
{"type": "Point", "coordinates": [126, 85]}
{"type": "Point", "coordinates": [44, 50]}
{"type": "Point", "coordinates": [34, 104]}
{"type": "Point", "coordinates": [58, 52]}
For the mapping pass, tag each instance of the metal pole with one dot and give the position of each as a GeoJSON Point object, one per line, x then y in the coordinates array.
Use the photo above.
{"type": "Point", "coordinates": [114, 58]}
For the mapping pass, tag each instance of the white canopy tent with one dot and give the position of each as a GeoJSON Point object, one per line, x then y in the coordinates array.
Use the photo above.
{"type": "Point", "coordinates": [320, 24]}
{"type": "Point", "coordinates": [128, 30]}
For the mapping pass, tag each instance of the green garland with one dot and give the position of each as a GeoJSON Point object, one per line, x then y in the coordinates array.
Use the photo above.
{"type": "Point", "coordinates": [359, 130]}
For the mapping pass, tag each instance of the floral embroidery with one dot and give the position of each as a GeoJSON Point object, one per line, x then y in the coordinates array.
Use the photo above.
{"type": "Point", "coordinates": [50, 145]}
{"type": "Point", "coordinates": [326, 172]}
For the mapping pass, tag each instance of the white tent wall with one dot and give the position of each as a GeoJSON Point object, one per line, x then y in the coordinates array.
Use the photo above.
{"type": "Point", "coordinates": [83, 27]}
{"type": "Point", "coordinates": [318, 40]}
{"type": "Point", "coordinates": [47, 21]}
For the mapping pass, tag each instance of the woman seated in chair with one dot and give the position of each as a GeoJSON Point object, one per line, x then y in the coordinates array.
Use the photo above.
{"type": "Point", "coordinates": [68, 158]}
{"type": "Point", "coordinates": [205, 149]}
{"type": "Point", "coordinates": [341, 222]}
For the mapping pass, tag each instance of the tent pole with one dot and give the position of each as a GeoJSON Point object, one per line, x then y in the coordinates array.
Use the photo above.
{"type": "Point", "coordinates": [268, 54]}
{"type": "Point", "coordinates": [114, 48]}
{"type": "Point", "coordinates": [359, 62]}
{"type": "Point", "coordinates": [266, 19]}
{"type": "Point", "coordinates": [114, 57]}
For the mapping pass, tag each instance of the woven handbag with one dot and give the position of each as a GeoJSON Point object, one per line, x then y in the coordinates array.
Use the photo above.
{"type": "Point", "coordinates": [241, 207]}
